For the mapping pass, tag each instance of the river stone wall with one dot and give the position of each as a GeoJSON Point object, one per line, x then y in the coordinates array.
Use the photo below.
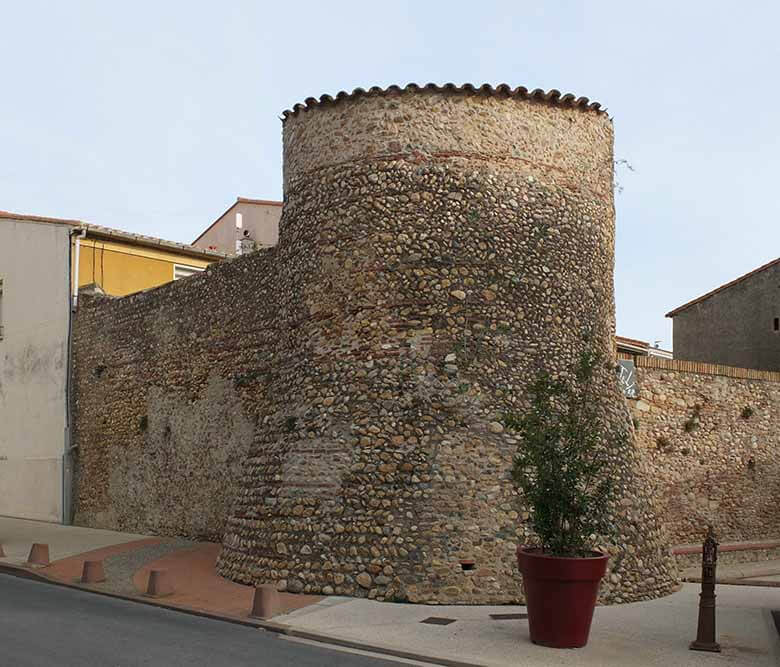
{"type": "Point", "coordinates": [447, 244]}
{"type": "Point", "coordinates": [711, 446]}
{"type": "Point", "coordinates": [164, 411]}
{"type": "Point", "coordinates": [436, 248]}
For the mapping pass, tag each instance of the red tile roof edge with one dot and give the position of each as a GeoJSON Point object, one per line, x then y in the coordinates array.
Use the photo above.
{"type": "Point", "coordinates": [40, 218]}
{"type": "Point", "coordinates": [631, 341]}
{"type": "Point", "coordinates": [266, 202]}
{"type": "Point", "coordinates": [553, 97]}
{"type": "Point", "coordinates": [109, 233]}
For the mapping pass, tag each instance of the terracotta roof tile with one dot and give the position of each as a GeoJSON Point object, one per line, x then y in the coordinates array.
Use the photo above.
{"type": "Point", "coordinates": [118, 234]}
{"type": "Point", "coordinates": [40, 218]}
{"type": "Point", "coordinates": [631, 341]}
{"type": "Point", "coordinates": [553, 97]}
{"type": "Point", "coordinates": [265, 202]}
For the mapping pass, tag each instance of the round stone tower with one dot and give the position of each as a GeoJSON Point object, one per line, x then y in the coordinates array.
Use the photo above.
{"type": "Point", "coordinates": [438, 246]}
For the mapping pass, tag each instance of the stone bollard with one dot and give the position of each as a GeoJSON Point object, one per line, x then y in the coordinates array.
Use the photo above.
{"type": "Point", "coordinates": [92, 572]}
{"type": "Point", "coordinates": [705, 633]}
{"type": "Point", "coordinates": [266, 602]}
{"type": "Point", "coordinates": [39, 554]}
{"type": "Point", "coordinates": [159, 584]}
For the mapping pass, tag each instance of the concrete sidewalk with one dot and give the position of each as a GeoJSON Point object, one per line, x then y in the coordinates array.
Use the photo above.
{"type": "Point", "coordinates": [644, 633]}
{"type": "Point", "coordinates": [17, 536]}
{"type": "Point", "coordinates": [655, 633]}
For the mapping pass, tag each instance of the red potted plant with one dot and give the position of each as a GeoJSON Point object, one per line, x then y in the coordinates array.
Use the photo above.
{"type": "Point", "coordinates": [561, 470]}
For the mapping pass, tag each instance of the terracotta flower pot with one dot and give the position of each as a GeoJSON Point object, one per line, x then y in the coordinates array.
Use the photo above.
{"type": "Point", "coordinates": [560, 595]}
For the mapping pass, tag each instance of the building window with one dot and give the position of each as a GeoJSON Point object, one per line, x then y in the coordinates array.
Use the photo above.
{"type": "Point", "coordinates": [184, 271]}
{"type": "Point", "coordinates": [777, 324]}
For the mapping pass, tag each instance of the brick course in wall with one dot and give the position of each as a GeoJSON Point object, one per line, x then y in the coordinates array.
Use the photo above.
{"type": "Point", "coordinates": [436, 249]}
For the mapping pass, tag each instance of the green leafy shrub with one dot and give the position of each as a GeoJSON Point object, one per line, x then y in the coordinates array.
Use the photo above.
{"type": "Point", "coordinates": [562, 459]}
{"type": "Point", "coordinates": [747, 412]}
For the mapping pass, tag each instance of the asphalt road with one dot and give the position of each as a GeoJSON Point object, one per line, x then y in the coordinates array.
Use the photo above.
{"type": "Point", "coordinates": [42, 625]}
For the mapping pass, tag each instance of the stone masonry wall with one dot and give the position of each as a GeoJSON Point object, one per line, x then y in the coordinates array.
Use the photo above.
{"type": "Point", "coordinates": [712, 450]}
{"type": "Point", "coordinates": [165, 408]}
{"type": "Point", "coordinates": [455, 243]}
{"type": "Point", "coordinates": [436, 248]}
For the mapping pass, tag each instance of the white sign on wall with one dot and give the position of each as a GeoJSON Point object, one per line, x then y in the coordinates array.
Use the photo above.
{"type": "Point", "coordinates": [627, 378]}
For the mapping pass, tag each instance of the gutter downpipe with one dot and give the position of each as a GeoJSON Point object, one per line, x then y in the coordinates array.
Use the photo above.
{"type": "Point", "coordinates": [82, 234]}
{"type": "Point", "coordinates": [67, 457]}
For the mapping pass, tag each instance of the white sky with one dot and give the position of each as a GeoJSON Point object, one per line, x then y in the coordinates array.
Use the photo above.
{"type": "Point", "coordinates": [153, 116]}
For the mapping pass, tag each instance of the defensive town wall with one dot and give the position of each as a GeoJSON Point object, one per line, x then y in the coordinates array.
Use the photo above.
{"type": "Point", "coordinates": [709, 437]}
{"type": "Point", "coordinates": [330, 407]}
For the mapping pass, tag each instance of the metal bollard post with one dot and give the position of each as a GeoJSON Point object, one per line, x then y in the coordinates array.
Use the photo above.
{"type": "Point", "coordinates": [705, 634]}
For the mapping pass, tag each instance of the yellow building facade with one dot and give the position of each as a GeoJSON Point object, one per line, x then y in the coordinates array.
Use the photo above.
{"type": "Point", "coordinates": [120, 263]}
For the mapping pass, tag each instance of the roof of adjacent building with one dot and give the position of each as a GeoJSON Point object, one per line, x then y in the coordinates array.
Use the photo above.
{"type": "Point", "coordinates": [644, 346]}
{"type": "Point", "coordinates": [239, 200]}
{"type": "Point", "coordinates": [554, 97]}
{"type": "Point", "coordinates": [750, 274]}
{"type": "Point", "coordinates": [107, 233]}
{"type": "Point", "coordinates": [631, 342]}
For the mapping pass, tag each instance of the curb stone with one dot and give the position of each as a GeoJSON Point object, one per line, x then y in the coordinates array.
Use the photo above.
{"type": "Point", "coordinates": [736, 582]}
